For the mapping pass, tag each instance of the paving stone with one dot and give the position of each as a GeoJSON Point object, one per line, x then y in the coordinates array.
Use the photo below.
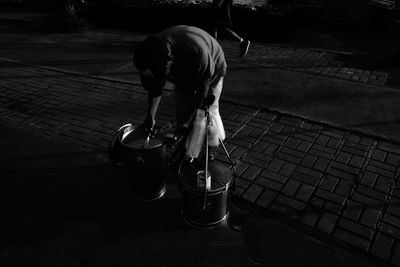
{"type": "Point", "coordinates": [334, 142]}
{"type": "Point", "coordinates": [267, 183]}
{"type": "Point", "coordinates": [321, 153]}
{"type": "Point", "coordinates": [327, 222]}
{"type": "Point", "coordinates": [370, 217]}
{"type": "Point", "coordinates": [321, 164]}
{"type": "Point", "coordinates": [309, 172]}
{"type": "Point", "coordinates": [390, 230]}
{"type": "Point", "coordinates": [288, 157]}
{"type": "Point", "coordinates": [393, 159]}
{"type": "Point", "coordinates": [242, 183]}
{"type": "Point", "coordinates": [366, 141]}
{"type": "Point", "coordinates": [379, 155]}
{"type": "Point", "coordinates": [280, 207]}
{"type": "Point", "coordinates": [330, 196]}
{"type": "Point", "coordinates": [352, 150]}
{"type": "Point", "coordinates": [333, 133]}
{"type": "Point", "coordinates": [395, 260]}
{"type": "Point", "coordinates": [266, 198]}
{"type": "Point", "coordinates": [252, 192]}
{"type": "Point", "coordinates": [356, 228]}
{"type": "Point", "coordinates": [343, 188]}
{"type": "Point", "coordinates": [396, 191]}
{"type": "Point", "coordinates": [304, 137]}
{"type": "Point", "coordinates": [346, 168]}
{"type": "Point", "coordinates": [309, 160]}
{"type": "Point", "coordinates": [275, 165]}
{"type": "Point", "coordinates": [382, 246]}
{"type": "Point", "coordinates": [352, 239]}
{"type": "Point", "coordinates": [322, 140]}
{"type": "Point", "coordinates": [380, 171]}
{"type": "Point", "coordinates": [271, 149]}
{"type": "Point", "coordinates": [324, 149]}
{"type": "Point", "coordinates": [241, 167]}
{"type": "Point", "coordinates": [342, 175]}
{"type": "Point", "coordinates": [371, 193]}
{"type": "Point", "coordinates": [251, 173]}
{"type": "Point", "coordinates": [292, 152]}
{"type": "Point", "coordinates": [305, 192]}
{"type": "Point", "coordinates": [354, 138]}
{"type": "Point", "coordinates": [261, 146]}
{"type": "Point", "coordinates": [239, 152]}
{"type": "Point", "coordinates": [304, 146]}
{"type": "Point", "coordinates": [274, 176]}
{"type": "Point", "coordinates": [333, 208]}
{"type": "Point", "coordinates": [392, 220]}
{"type": "Point", "coordinates": [383, 166]}
{"type": "Point", "coordinates": [301, 177]}
{"type": "Point", "coordinates": [287, 169]}
{"type": "Point", "coordinates": [238, 191]}
{"type": "Point", "coordinates": [395, 149]}
{"type": "Point", "coordinates": [372, 202]}
{"type": "Point", "coordinates": [329, 182]}
{"type": "Point", "coordinates": [356, 161]}
{"type": "Point", "coordinates": [369, 179]}
{"type": "Point", "coordinates": [310, 217]}
{"type": "Point", "coordinates": [256, 161]}
{"type": "Point", "coordinates": [291, 202]}
{"type": "Point", "coordinates": [394, 207]}
{"type": "Point", "coordinates": [291, 188]}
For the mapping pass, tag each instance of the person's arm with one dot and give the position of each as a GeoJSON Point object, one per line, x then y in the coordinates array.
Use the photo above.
{"type": "Point", "coordinates": [150, 120]}
{"type": "Point", "coordinates": [201, 93]}
{"type": "Point", "coordinates": [154, 89]}
{"type": "Point", "coordinates": [199, 99]}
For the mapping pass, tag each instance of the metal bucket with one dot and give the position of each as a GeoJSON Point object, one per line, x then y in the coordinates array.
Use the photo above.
{"type": "Point", "coordinates": [145, 165]}
{"type": "Point", "coordinates": [200, 209]}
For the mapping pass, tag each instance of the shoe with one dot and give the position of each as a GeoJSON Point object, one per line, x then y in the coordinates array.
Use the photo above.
{"type": "Point", "coordinates": [244, 47]}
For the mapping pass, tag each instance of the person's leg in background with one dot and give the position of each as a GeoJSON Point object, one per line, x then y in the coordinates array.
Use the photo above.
{"type": "Point", "coordinates": [224, 23]}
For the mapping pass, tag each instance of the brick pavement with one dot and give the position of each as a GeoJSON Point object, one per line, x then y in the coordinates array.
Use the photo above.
{"type": "Point", "coordinates": [341, 184]}
{"type": "Point", "coordinates": [314, 61]}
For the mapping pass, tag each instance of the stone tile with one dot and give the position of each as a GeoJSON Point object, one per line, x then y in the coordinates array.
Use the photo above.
{"type": "Point", "coordinates": [252, 192]}
{"type": "Point", "coordinates": [305, 192]}
{"type": "Point", "coordinates": [352, 239]}
{"type": "Point", "coordinates": [266, 198]}
{"type": "Point", "coordinates": [382, 246]}
{"type": "Point", "coordinates": [327, 222]}
{"type": "Point", "coordinates": [291, 187]}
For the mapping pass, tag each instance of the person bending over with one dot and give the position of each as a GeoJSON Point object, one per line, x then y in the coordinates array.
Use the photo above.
{"type": "Point", "coordinates": [194, 62]}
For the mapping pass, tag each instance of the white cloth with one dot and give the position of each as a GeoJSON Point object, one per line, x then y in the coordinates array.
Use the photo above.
{"type": "Point", "coordinates": [216, 131]}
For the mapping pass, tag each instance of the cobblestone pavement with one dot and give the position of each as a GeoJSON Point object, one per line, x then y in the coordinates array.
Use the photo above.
{"type": "Point", "coordinates": [313, 61]}
{"type": "Point", "coordinates": [341, 184]}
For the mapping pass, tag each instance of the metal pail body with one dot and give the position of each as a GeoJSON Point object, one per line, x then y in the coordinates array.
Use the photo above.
{"type": "Point", "coordinates": [145, 165]}
{"type": "Point", "coordinates": [205, 210]}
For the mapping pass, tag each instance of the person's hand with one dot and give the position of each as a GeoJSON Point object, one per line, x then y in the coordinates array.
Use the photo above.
{"type": "Point", "coordinates": [148, 124]}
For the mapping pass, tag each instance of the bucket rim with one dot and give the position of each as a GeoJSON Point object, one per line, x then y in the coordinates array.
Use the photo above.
{"type": "Point", "coordinates": [129, 128]}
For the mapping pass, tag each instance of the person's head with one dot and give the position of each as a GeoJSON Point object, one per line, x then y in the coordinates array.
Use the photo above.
{"type": "Point", "coordinates": [153, 58]}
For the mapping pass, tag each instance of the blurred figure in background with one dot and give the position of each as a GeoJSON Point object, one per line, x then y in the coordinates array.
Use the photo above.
{"type": "Point", "coordinates": [222, 23]}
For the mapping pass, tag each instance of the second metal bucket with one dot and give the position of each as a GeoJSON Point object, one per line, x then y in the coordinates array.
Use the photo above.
{"type": "Point", "coordinates": [208, 210]}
